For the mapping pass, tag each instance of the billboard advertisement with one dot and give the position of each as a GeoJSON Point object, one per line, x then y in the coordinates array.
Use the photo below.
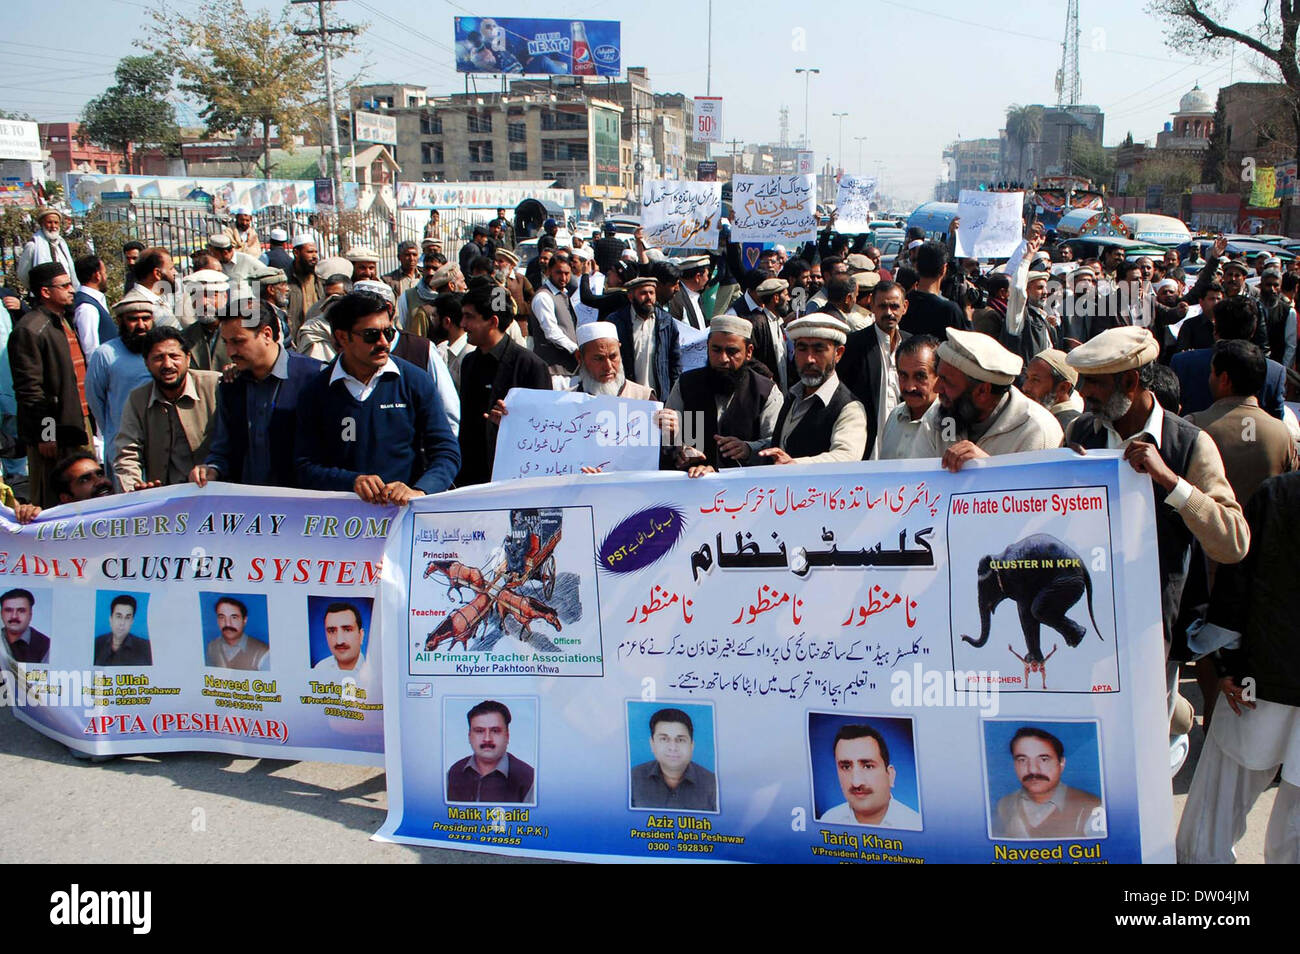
{"type": "Point", "coordinates": [375, 127]}
{"type": "Point", "coordinates": [554, 47]}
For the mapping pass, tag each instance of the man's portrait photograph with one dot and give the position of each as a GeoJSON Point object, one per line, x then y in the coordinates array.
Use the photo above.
{"type": "Point", "coordinates": [864, 771]}
{"type": "Point", "coordinates": [27, 614]}
{"type": "Point", "coordinates": [672, 756]}
{"type": "Point", "coordinates": [339, 635]}
{"type": "Point", "coordinates": [122, 626]}
{"type": "Point", "coordinates": [235, 631]}
{"type": "Point", "coordinates": [1044, 780]}
{"type": "Point", "coordinates": [490, 749]}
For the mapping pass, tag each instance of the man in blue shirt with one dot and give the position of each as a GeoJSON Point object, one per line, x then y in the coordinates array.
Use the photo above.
{"type": "Point", "coordinates": [373, 423]}
{"type": "Point", "coordinates": [252, 442]}
{"type": "Point", "coordinates": [116, 368]}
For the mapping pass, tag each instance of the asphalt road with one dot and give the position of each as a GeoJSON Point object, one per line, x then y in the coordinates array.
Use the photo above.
{"type": "Point", "coordinates": [204, 808]}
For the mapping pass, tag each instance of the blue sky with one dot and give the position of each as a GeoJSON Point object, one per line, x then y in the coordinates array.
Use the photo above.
{"type": "Point", "coordinates": [911, 76]}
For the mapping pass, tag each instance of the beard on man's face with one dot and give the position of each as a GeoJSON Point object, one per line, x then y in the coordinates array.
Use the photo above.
{"type": "Point", "coordinates": [725, 380]}
{"type": "Point", "coordinates": [963, 408]}
{"type": "Point", "coordinates": [601, 388]}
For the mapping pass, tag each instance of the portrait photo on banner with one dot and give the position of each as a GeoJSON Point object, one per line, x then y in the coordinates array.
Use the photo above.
{"type": "Point", "coordinates": [338, 632]}
{"type": "Point", "coordinates": [672, 756]}
{"type": "Point", "coordinates": [1044, 779]}
{"type": "Point", "coordinates": [236, 631]}
{"type": "Point", "coordinates": [28, 616]}
{"type": "Point", "coordinates": [863, 770]}
{"type": "Point", "coordinates": [121, 629]}
{"type": "Point", "coordinates": [490, 749]}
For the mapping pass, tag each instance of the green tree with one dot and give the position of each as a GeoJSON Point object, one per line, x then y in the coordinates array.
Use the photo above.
{"type": "Point", "coordinates": [249, 72]}
{"type": "Point", "coordinates": [134, 110]}
{"type": "Point", "coordinates": [1197, 27]}
{"type": "Point", "coordinates": [1024, 127]}
{"type": "Point", "coordinates": [1092, 160]}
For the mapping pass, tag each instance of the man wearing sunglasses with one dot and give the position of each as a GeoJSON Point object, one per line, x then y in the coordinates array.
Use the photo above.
{"type": "Point", "coordinates": [369, 422]}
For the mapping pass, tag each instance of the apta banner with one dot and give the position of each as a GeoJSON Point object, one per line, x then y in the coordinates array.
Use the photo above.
{"type": "Point", "coordinates": [222, 619]}
{"type": "Point", "coordinates": [870, 663]}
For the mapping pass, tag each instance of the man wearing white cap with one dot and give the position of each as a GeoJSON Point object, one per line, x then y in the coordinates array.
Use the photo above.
{"type": "Point", "coordinates": [820, 419]}
{"type": "Point", "coordinates": [1194, 501]}
{"type": "Point", "coordinates": [648, 336]}
{"type": "Point", "coordinates": [244, 235]}
{"type": "Point", "coordinates": [685, 305]}
{"type": "Point", "coordinates": [117, 367]}
{"type": "Point", "coordinates": [365, 263]}
{"type": "Point", "coordinates": [305, 286]}
{"type": "Point", "coordinates": [1050, 381]}
{"type": "Point", "coordinates": [1028, 329]}
{"type": "Point", "coordinates": [47, 245]}
{"type": "Point", "coordinates": [238, 266]}
{"type": "Point", "coordinates": [600, 364]}
{"type": "Point", "coordinates": [980, 411]}
{"type": "Point", "coordinates": [277, 256]}
{"type": "Point", "coordinates": [770, 343]}
{"type": "Point", "coordinates": [210, 292]}
{"type": "Point", "coordinates": [737, 406]}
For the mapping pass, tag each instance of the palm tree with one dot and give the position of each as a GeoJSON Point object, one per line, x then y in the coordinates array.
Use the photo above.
{"type": "Point", "coordinates": [1024, 127]}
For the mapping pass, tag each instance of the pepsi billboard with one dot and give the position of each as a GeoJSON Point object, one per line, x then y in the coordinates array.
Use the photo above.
{"type": "Point", "coordinates": [538, 47]}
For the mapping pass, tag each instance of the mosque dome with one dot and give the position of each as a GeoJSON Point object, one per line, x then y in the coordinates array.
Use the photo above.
{"type": "Point", "coordinates": [1195, 102]}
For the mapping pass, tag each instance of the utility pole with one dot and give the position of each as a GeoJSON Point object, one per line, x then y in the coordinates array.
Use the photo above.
{"type": "Point", "coordinates": [733, 143]}
{"type": "Point", "coordinates": [807, 75]}
{"type": "Point", "coordinates": [323, 33]}
{"type": "Point", "coordinates": [839, 156]}
{"type": "Point", "coordinates": [708, 75]}
{"type": "Point", "coordinates": [637, 123]}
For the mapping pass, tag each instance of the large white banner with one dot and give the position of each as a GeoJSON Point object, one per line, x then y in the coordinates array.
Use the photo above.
{"type": "Point", "coordinates": [553, 433]}
{"type": "Point", "coordinates": [773, 209]}
{"type": "Point", "coordinates": [853, 201]}
{"type": "Point", "coordinates": [20, 139]}
{"type": "Point", "coordinates": [376, 127]}
{"type": "Point", "coordinates": [680, 213]}
{"type": "Point", "coordinates": [804, 663]}
{"type": "Point", "coordinates": [990, 223]}
{"type": "Point", "coordinates": [222, 619]}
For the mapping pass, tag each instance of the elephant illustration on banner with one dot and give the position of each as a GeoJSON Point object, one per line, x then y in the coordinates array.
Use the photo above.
{"type": "Point", "coordinates": [1045, 578]}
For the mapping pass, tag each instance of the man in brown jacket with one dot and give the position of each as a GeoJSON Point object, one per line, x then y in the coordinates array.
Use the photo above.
{"type": "Point", "coordinates": [305, 286]}
{"type": "Point", "coordinates": [49, 372]}
{"type": "Point", "coordinates": [166, 425]}
{"type": "Point", "coordinates": [1254, 444]}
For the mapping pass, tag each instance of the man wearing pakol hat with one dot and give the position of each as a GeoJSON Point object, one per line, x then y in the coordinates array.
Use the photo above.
{"type": "Point", "coordinates": [1194, 501]}
{"type": "Point", "coordinates": [407, 273]}
{"type": "Point", "coordinates": [365, 263]}
{"type": "Point", "coordinates": [49, 372]}
{"type": "Point", "coordinates": [47, 245]}
{"type": "Point", "coordinates": [276, 255]}
{"type": "Point", "coordinates": [981, 413]}
{"type": "Point", "coordinates": [736, 405]}
{"type": "Point", "coordinates": [1028, 329]}
{"type": "Point", "coordinates": [209, 290]}
{"type": "Point", "coordinates": [238, 266]}
{"type": "Point", "coordinates": [1050, 381]}
{"type": "Point", "coordinates": [648, 336]}
{"type": "Point", "coordinates": [117, 367]}
{"type": "Point", "coordinates": [510, 276]}
{"type": "Point", "coordinates": [600, 365]}
{"type": "Point", "coordinates": [272, 286]}
{"type": "Point", "coordinates": [414, 308]}
{"type": "Point", "coordinates": [820, 419]}
{"type": "Point", "coordinates": [770, 342]}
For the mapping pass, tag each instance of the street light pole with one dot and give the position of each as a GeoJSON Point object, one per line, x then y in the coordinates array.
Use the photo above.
{"type": "Point", "coordinates": [861, 140]}
{"type": "Point", "coordinates": [807, 75]}
{"type": "Point", "coordinates": [839, 157]}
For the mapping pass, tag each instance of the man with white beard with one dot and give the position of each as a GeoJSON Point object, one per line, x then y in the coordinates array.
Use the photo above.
{"type": "Point", "coordinates": [600, 365]}
{"type": "Point", "coordinates": [47, 245]}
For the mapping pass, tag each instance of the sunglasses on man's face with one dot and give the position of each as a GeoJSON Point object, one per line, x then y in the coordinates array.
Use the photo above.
{"type": "Point", "coordinates": [371, 335]}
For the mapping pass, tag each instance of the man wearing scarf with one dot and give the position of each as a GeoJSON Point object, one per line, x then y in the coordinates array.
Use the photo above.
{"type": "Point", "coordinates": [46, 246]}
{"type": "Point", "coordinates": [415, 311]}
{"type": "Point", "coordinates": [734, 403]}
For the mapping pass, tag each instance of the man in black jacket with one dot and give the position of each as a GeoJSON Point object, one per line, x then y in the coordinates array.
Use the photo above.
{"type": "Point", "coordinates": [1251, 620]}
{"type": "Point", "coordinates": [487, 375]}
